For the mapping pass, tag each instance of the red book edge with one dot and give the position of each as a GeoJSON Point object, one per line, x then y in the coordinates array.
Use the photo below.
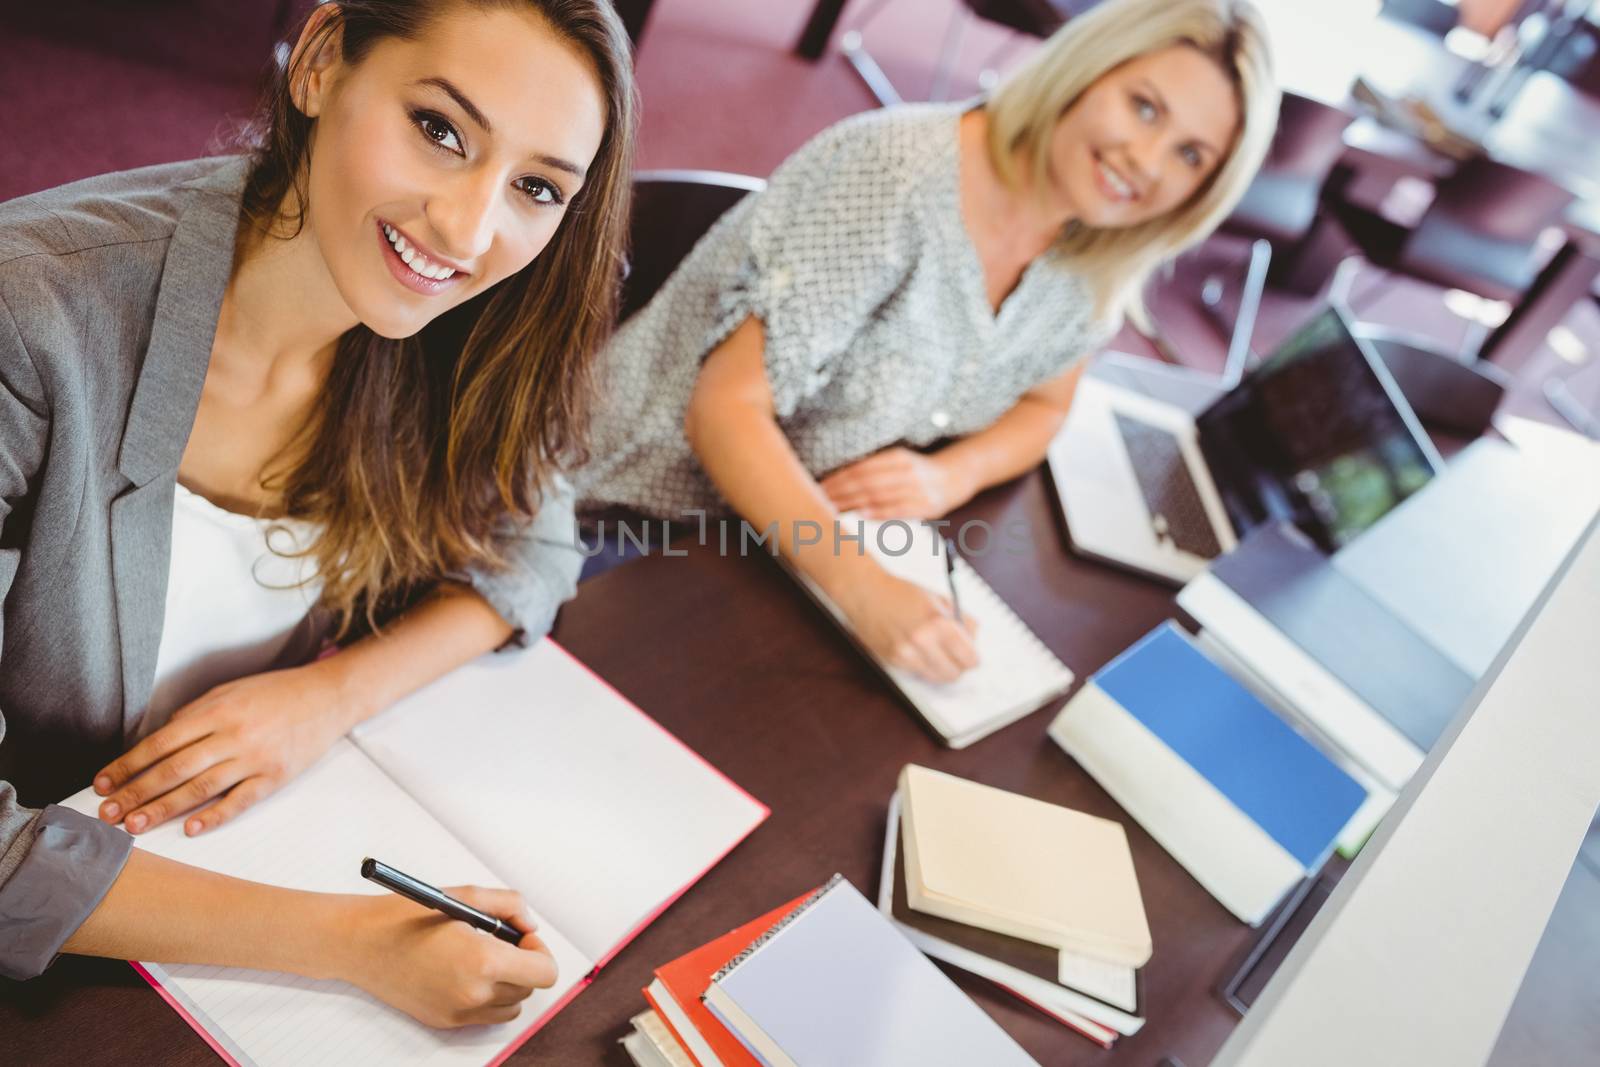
{"type": "Point", "coordinates": [522, 1038]}
{"type": "Point", "coordinates": [687, 978]}
{"type": "Point", "coordinates": [655, 1005]}
{"type": "Point", "coordinates": [1105, 1037]}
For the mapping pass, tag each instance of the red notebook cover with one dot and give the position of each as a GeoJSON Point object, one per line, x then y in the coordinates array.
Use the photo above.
{"type": "Point", "coordinates": [688, 976]}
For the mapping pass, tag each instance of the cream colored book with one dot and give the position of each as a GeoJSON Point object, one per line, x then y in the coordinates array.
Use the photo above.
{"type": "Point", "coordinates": [1019, 866]}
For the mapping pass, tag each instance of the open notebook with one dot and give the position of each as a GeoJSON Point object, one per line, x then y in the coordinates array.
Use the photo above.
{"type": "Point", "coordinates": [1016, 673]}
{"type": "Point", "coordinates": [521, 769]}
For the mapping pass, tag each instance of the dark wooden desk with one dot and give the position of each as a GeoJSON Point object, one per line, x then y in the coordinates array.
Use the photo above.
{"type": "Point", "coordinates": [727, 654]}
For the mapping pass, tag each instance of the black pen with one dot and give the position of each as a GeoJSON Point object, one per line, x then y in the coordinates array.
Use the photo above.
{"type": "Point", "coordinates": [950, 575]}
{"type": "Point", "coordinates": [429, 897]}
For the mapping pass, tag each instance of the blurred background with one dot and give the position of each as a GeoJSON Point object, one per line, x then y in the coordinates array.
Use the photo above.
{"type": "Point", "coordinates": [1476, 110]}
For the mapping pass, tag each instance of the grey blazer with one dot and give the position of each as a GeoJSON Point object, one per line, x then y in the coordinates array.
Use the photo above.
{"type": "Point", "coordinates": [109, 294]}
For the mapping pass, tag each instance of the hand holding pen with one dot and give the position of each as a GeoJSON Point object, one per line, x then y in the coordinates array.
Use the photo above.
{"type": "Point", "coordinates": [440, 969]}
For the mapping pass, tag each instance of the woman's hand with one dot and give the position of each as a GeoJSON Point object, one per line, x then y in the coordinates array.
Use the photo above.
{"type": "Point", "coordinates": [239, 743]}
{"type": "Point", "coordinates": [438, 970]}
{"type": "Point", "coordinates": [897, 483]}
{"type": "Point", "coordinates": [906, 626]}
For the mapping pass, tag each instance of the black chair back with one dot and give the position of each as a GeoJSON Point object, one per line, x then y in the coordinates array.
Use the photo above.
{"type": "Point", "coordinates": [1281, 203]}
{"type": "Point", "coordinates": [1482, 231]}
{"type": "Point", "coordinates": [1038, 18]}
{"type": "Point", "coordinates": [672, 210]}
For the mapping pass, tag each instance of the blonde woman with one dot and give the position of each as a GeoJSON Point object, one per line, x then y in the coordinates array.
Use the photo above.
{"type": "Point", "coordinates": [931, 273]}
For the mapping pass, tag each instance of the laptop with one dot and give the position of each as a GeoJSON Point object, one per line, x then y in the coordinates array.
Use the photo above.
{"type": "Point", "coordinates": [1162, 476]}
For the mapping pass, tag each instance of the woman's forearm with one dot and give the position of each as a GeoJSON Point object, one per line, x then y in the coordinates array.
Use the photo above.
{"type": "Point", "coordinates": [169, 912]}
{"type": "Point", "coordinates": [1015, 443]}
{"type": "Point", "coordinates": [452, 627]}
{"type": "Point", "coordinates": [747, 456]}
{"type": "Point", "coordinates": [754, 467]}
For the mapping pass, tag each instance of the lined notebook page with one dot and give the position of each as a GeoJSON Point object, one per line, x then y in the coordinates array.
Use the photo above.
{"type": "Point", "coordinates": [569, 792]}
{"type": "Point", "coordinates": [1016, 673]}
{"type": "Point", "coordinates": [313, 835]}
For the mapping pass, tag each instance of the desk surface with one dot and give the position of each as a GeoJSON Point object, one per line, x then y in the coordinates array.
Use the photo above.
{"type": "Point", "coordinates": [727, 655]}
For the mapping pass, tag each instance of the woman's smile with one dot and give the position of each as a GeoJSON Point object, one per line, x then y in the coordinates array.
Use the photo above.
{"type": "Point", "coordinates": [419, 271]}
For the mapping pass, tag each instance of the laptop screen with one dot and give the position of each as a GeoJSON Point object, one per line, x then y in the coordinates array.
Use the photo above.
{"type": "Point", "coordinates": [1318, 435]}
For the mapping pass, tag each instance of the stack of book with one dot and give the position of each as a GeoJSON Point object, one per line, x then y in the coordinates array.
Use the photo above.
{"type": "Point", "coordinates": [1039, 899]}
{"type": "Point", "coordinates": [1327, 656]}
{"type": "Point", "coordinates": [1372, 652]}
{"type": "Point", "coordinates": [1245, 803]}
{"type": "Point", "coordinates": [823, 981]}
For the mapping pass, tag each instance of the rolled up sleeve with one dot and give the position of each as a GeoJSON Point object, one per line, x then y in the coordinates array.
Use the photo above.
{"type": "Point", "coordinates": [817, 267]}
{"type": "Point", "coordinates": [55, 864]}
{"type": "Point", "coordinates": [542, 562]}
{"type": "Point", "coordinates": [55, 867]}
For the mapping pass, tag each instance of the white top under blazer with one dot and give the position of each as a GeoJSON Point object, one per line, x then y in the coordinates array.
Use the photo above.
{"type": "Point", "coordinates": [238, 603]}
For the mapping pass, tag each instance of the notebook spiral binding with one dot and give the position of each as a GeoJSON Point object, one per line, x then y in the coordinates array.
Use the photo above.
{"type": "Point", "coordinates": [777, 928]}
{"type": "Point", "coordinates": [996, 608]}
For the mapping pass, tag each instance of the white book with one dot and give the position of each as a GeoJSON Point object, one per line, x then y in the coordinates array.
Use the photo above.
{"type": "Point", "coordinates": [835, 984]}
{"type": "Point", "coordinates": [1231, 791]}
{"type": "Point", "coordinates": [1016, 673]}
{"type": "Point", "coordinates": [672, 1013]}
{"type": "Point", "coordinates": [521, 769]}
{"type": "Point", "coordinates": [651, 1044]}
{"type": "Point", "coordinates": [640, 1050]}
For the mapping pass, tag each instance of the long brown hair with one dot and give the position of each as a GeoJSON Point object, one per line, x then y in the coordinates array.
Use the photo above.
{"type": "Point", "coordinates": [419, 450]}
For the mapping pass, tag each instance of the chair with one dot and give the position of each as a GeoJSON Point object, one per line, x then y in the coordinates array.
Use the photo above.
{"type": "Point", "coordinates": [1280, 206]}
{"type": "Point", "coordinates": [1036, 18]}
{"type": "Point", "coordinates": [1482, 234]}
{"type": "Point", "coordinates": [672, 210]}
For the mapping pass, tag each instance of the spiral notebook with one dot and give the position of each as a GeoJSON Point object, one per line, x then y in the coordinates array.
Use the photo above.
{"type": "Point", "coordinates": [1016, 673]}
{"type": "Point", "coordinates": [589, 808]}
{"type": "Point", "coordinates": [834, 984]}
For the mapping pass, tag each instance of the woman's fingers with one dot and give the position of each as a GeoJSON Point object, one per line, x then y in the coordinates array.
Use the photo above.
{"type": "Point", "coordinates": [164, 742]}
{"type": "Point", "coordinates": [936, 639]}
{"type": "Point", "coordinates": [506, 904]}
{"type": "Point", "coordinates": [172, 771]}
{"type": "Point", "coordinates": [530, 968]}
{"type": "Point", "coordinates": [957, 643]}
{"type": "Point", "coordinates": [491, 1014]}
{"type": "Point", "coordinates": [505, 994]}
{"type": "Point", "coordinates": [193, 792]}
{"type": "Point", "coordinates": [940, 650]}
{"type": "Point", "coordinates": [238, 799]}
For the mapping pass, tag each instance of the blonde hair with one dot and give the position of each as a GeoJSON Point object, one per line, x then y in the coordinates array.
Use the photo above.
{"type": "Point", "coordinates": [1024, 110]}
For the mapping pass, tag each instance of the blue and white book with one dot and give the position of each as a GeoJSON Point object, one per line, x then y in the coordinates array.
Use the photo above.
{"type": "Point", "coordinates": [1246, 804]}
{"type": "Point", "coordinates": [1352, 671]}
